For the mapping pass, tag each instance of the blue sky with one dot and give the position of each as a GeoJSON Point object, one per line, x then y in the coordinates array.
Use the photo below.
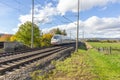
{"type": "Point", "coordinates": [10, 10]}
{"type": "Point", "coordinates": [98, 18]}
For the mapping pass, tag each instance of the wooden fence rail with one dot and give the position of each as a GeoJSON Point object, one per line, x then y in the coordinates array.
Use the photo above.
{"type": "Point", "coordinates": [107, 50]}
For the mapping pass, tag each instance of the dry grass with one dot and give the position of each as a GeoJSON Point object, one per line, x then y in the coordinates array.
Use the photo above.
{"type": "Point", "coordinates": [74, 68]}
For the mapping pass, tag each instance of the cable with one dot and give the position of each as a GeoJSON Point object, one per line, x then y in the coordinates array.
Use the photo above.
{"type": "Point", "coordinates": [37, 1]}
{"type": "Point", "coordinates": [61, 20]}
{"type": "Point", "coordinates": [17, 1]}
{"type": "Point", "coordinates": [55, 17]}
{"type": "Point", "coordinates": [20, 3]}
{"type": "Point", "coordinates": [67, 19]}
{"type": "Point", "coordinates": [64, 16]}
{"type": "Point", "coordinates": [10, 6]}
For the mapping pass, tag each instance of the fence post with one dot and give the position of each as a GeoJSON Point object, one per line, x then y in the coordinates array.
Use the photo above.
{"type": "Point", "coordinates": [110, 49]}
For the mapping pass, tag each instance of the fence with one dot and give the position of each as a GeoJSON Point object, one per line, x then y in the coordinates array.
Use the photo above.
{"type": "Point", "coordinates": [108, 50]}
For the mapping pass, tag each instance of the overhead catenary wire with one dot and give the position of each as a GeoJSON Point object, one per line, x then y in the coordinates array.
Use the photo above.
{"type": "Point", "coordinates": [59, 19]}
{"type": "Point", "coordinates": [21, 3]}
{"type": "Point", "coordinates": [9, 5]}
{"type": "Point", "coordinates": [67, 19]}
{"type": "Point", "coordinates": [37, 1]}
{"type": "Point", "coordinates": [52, 22]}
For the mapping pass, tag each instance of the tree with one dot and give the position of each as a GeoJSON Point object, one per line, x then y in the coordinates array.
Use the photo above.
{"type": "Point", "coordinates": [24, 34]}
{"type": "Point", "coordinates": [13, 38]}
{"type": "Point", "coordinates": [58, 31]}
{"type": "Point", "coordinates": [64, 32]}
{"type": "Point", "coordinates": [46, 39]}
{"type": "Point", "coordinates": [52, 31]}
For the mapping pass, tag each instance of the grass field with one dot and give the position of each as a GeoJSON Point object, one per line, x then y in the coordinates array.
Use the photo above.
{"type": "Point", "coordinates": [108, 48]}
{"type": "Point", "coordinates": [99, 44]}
{"type": "Point", "coordinates": [86, 65]}
{"type": "Point", "coordinates": [107, 67]}
{"type": "Point", "coordinates": [75, 67]}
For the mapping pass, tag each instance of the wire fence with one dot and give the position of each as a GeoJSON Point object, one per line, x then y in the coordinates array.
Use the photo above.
{"type": "Point", "coordinates": [108, 50]}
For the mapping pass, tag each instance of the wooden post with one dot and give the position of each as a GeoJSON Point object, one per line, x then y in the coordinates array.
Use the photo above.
{"type": "Point", "coordinates": [110, 49]}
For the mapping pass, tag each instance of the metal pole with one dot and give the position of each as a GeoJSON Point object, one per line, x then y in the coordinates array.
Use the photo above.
{"type": "Point", "coordinates": [32, 28]}
{"type": "Point", "coordinates": [70, 36]}
{"type": "Point", "coordinates": [83, 33]}
{"type": "Point", "coordinates": [77, 29]}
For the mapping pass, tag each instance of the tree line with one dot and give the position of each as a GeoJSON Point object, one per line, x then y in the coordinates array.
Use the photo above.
{"type": "Point", "coordinates": [23, 35]}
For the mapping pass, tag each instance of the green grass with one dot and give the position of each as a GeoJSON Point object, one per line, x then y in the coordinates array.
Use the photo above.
{"type": "Point", "coordinates": [115, 47]}
{"type": "Point", "coordinates": [73, 68]}
{"type": "Point", "coordinates": [85, 65]}
{"type": "Point", "coordinates": [99, 44]}
{"type": "Point", "coordinates": [107, 67]}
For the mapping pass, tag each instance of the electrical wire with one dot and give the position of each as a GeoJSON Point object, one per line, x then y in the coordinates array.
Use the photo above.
{"type": "Point", "coordinates": [37, 1]}
{"type": "Point", "coordinates": [65, 17]}
{"type": "Point", "coordinates": [3, 3]}
{"type": "Point", "coordinates": [21, 3]}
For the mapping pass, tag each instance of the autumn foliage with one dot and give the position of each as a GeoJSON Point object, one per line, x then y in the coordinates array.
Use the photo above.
{"type": "Point", "coordinates": [5, 37]}
{"type": "Point", "coordinates": [23, 35]}
{"type": "Point", "coordinates": [13, 38]}
{"type": "Point", "coordinates": [46, 39]}
{"type": "Point", "coordinates": [58, 31]}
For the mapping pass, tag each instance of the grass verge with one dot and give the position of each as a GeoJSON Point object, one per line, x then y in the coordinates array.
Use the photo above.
{"type": "Point", "coordinates": [84, 65]}
{"type": "Point", "coordinates": [107, 67]}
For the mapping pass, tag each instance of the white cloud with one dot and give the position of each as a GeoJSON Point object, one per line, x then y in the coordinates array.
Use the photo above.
{"type": "Point", "coordinates": [24, 18]}
{"type": "Point", "coordinates": [3, 32]}
{"type": "Point", "coordinates": [104, 8]}
{"type": "Point", "coordinates": [71, 5]}
{"type": "Point", "coordinates": [94, 27]}
{"type": "Point", "coordinates": [41, 15]}
{"type": "Point", "coordinates": [102, 23]}
{"type": "Point", "coordinates": [102, 27]}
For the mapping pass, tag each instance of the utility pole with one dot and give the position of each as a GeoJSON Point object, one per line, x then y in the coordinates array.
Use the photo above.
{"type": "Point", "coordinates": [77, 29]}
{"type": "Point", "coordinates": [32, 28]}
{"type": "Point", "coordinates": [83, 34]}
{"type": "Point", "coordinates": [70, 36]}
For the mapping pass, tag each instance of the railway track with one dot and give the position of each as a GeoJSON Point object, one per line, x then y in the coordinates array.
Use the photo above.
{"type": "Point", "coordinates": [16, 61]}
{"type": "Point", "coordinates": [28, 50]}
{"type": "Point", "coordinates": [20, 51]}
